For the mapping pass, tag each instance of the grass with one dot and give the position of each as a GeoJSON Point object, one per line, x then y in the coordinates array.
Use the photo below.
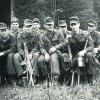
{"type": "Point", "coordinates": [39, 92]}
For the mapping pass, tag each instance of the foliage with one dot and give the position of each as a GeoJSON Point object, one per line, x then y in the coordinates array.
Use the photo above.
{"type": "Point", "coordinates": [84, 9]}
{"type": "Point", "coordinates": [82, 92]}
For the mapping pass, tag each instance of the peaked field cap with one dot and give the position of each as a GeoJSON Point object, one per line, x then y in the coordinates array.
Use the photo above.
{"type": "Point", "coordinates": [14, 19]}
{"type": "Point", "coordinates": [28, 22]}
{"type": "Point", "coordinates": [91, 22]}
{"type": "Point", "coordinates": [74, 18]}
{"type": "Point", "coordinates": [3, 25]}
{"type": "Point", "coordinates": [62, 23]}
{"type": "Point", "coordinates": [36, 20]}
{"type": "Point", "coordinates": [48, 20]}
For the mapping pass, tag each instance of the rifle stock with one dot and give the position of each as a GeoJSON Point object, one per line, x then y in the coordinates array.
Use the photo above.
{"type": "Point", "coordinates": [29, 66]}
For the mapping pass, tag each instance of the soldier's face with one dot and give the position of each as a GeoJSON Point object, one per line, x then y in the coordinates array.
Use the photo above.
{"type": "Point", "coordinates": [15, 25]}
{"type": "Point", "coordinates": [49, 27]}
{"type": "Point", "coordinates": [28, 29]}
{"type": "Point", "coordinates": [63, 28]}
{"type": "Point", "coordinates": [4, 32]}
{"type": "Point", "coordinates": [36, 26]}
{"type": "Point", "coordinates": [91, 28]}
{"type": "Point", "coordinates": [75, 26]}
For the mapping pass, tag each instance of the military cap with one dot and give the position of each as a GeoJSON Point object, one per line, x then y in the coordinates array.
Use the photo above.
{"type": "Point", "coordinates": [74, 19]}
{"type": "Point", "coordinates": [36, 20]}
{"type": "Point", "coordinates": [2, 26]}
{"type": "Point", "coordinates": [27, 22]}
{"type": "Point", "coordinates": [48, 20]}
{"type": "Point", "coordinates": [62, 23]}
{"type": "Point", "coordinates": [14, 19]}
{"type": "Point", "coordinates": [92, 22]}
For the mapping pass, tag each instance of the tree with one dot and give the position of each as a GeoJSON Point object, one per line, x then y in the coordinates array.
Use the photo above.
{"type": "Point", "coordinates": [84, 9]}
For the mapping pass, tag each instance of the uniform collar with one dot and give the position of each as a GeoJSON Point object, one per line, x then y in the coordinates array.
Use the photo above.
{"type": "Point", "coordinates": [49, 32]}
{"type": "Point", "coordinates": [36, 32]}
{"type": "Point", "coordinates": [77, 34]}
{"type": "Point", "coordinates": [28, 34]}
{"type": "Point", "coordinates": [92, 33]}
{"type": "Point", "coordinates": [2, 39]}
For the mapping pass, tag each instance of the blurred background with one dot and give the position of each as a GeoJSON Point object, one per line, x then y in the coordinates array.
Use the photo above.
{"type": "Point", "coordinates": [58, 9]}
{"type": "Point", "coordinates": [5, 12]}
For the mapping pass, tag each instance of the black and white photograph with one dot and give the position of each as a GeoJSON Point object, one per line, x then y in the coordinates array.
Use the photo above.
{"type": "Point", "coordinates": [49, 49]}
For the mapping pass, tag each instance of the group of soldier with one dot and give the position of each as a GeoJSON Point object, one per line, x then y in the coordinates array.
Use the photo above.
{"type": "Point", "coordinates": [56, 53]}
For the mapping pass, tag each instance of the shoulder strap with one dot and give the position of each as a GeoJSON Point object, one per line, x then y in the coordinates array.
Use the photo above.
{"type": "Point", "coordinates": [86, 41]}
{"type": "Point", "coordinates": [69, 51]}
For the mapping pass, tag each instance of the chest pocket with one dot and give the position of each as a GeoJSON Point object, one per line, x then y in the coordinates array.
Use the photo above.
{"type": "Point", "coordinates": [94, 38]}
{"type": "Point", "coordinates": [81, 38]}
{"type": "Point", "coordinates": [30, 45]}
{"type": "Point", "coordinates": [82, 41]}
{"type": "Point", "coordinates": [5, 45]}
{"type": "Point", "coordinates": [55, 40]}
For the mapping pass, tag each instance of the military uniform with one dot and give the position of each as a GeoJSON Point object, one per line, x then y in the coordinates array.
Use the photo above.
{"type": "Point", "coordinates": [94, 34]}
{"type": "Point", "coordinates": [48, 40]}
{"type": "Point", "coordinates": [7, 46]}
{"type": "Point", "coordinates": [65, 52]}
{"type": "Point", "coordinates": [17, 30]}
{"type": "Point", "coordinates": [92, 25]}
{"type": "Point", "coordinates": [81, 44]}
{"type": "Point", "coordinates": [66, 33]}
{"type": "Point", "coordinates": [96, 38]}
{"type": "Point", "coordinates": [77, 42]}
{"type": "Point", "coordinates": [31, 40]}
{"type": "Point", "coordinates": [12, 69]}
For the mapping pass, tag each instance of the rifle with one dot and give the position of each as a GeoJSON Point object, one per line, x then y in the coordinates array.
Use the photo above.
{"type": "Point", "coordinates": [70, 63]}
{"type": "Point", "coordinates": [28, 65]}
{"type": "Point", "coordinates": [81, 62]}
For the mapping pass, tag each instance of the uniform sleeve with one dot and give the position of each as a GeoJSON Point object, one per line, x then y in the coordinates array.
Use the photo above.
{"type": "Point", "coordinates": [90, 44]}
{"type": "Point", "coordinates": [36, 44]}
{"type": "Point", "coordinates": [12, 45]}
{"type": "Point", "coordinates": [98, 40]}
{"type": "Point", "coordinates": [41, 45]}
{"type": "Point", "coordinates": [20, 45]}
{"type": "Point", "coordinates": [61, 40]}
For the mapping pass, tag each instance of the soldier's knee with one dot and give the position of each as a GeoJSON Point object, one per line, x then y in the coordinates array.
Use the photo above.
{"type": "Point", "coordinates": [54, 56]}
{"type": "Point", "coordinates": [10, 55]}
{"type": "Point", "coordinates": [16, 56]}
{"type": "Point", "coordinates": [89, 54]}
{"type": "Point", "coordinates": [41, 59]}
{"type": "Point", "coordinates": [36, 55]}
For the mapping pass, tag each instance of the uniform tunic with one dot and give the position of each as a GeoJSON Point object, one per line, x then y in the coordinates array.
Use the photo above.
{"type": "Point", "coordinates": [48, 40]}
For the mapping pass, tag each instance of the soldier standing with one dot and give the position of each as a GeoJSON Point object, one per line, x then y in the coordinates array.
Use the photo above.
{"type": "Point", "coordinates": [14, 25]}
{"type": "Point", "coordinates": [50, 42]}
{"type": "Point", "coordinates": [15, 28]}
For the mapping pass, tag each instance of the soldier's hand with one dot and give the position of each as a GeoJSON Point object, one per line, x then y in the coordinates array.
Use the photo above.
{"type": "Point", "coordinates": [81, 53]}
{"type": "Point", "coordinates": [95, 50]}
{"type": "Point", "coordinates": [1, 53]}
{"type": "Point", "coordinates": [52, 50]}
{"type": "Point", "coordinates": [47, 57]}
{"type": "Point", "coordinates": [30, 55]}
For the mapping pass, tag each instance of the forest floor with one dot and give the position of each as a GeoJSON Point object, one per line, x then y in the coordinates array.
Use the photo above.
{"type": "Point", "coordinates": [40, 92]}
